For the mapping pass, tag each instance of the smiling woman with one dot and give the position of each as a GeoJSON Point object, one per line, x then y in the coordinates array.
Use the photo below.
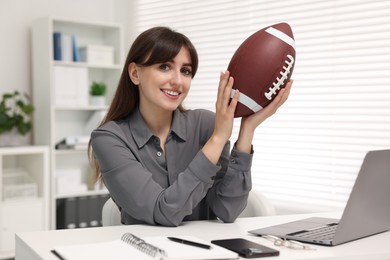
{"type": "Point", "coordinates": [163, 164]}
{"type": "Point", "coordinates": [162, 87]}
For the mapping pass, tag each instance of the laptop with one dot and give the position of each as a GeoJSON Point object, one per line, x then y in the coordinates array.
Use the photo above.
{"type": "Point", "coordinates": [366, 213]}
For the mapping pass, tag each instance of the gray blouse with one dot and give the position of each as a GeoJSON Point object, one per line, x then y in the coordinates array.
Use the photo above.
{"type": "Point", "coordinates": [153, 187]}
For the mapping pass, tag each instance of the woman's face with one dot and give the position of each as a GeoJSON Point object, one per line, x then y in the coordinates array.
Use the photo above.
{"type": "Point", "coordinates": [164, 86]}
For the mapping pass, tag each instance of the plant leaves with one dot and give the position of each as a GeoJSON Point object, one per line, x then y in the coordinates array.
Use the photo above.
{"type": "Point", "coordinates": [14, 112]}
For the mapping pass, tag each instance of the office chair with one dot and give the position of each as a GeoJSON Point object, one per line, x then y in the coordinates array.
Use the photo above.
{"type": "Point", "coordinates": [111, 216]}
{"type": "Point", "coordinates": [258, 205]}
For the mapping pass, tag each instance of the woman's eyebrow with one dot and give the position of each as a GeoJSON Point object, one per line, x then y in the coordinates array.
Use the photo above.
{"type": "Point", "coordinates": [187, 64]}
{"type": "Point", "coordinates": [184, 64]}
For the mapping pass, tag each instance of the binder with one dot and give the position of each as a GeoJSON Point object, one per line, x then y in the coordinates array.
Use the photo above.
{"type": "Point", "coordinates": [94, 211]}
{"type": "Point", "coordinates": [66, 47]}
{"type": "Point", "coordinates": [82, 212]}
{"type": "Point", "coordinates": [67, 213]}
{"type": "Point", "coordinates": [130, 246]}
{"type": "Point", "coordinates": [57, 46]}
{"type": "Point", "coordinates": [75, 49]}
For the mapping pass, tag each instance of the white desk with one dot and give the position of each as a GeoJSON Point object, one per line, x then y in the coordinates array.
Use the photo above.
{"type": "Point", "coordinates": [37, 245]}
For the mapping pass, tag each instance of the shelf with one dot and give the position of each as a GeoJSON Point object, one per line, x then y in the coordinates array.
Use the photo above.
{"type": "Point", "coordinates": [87, 65]}
{"type": "Point", "coordinates": [21, 150]}
{"type": "Point", "coordinates": [27, 190]}
{"type": "Point", "coordinates": [82, 194]}
{"type": "Point", "coordinates": [70, 151]}
{"type": "Point", "coordinates": [8, 254]}
{"type": "Point", "coordinates": [63, 109]}
{"type": "Point", "coordinates": [81, 108]}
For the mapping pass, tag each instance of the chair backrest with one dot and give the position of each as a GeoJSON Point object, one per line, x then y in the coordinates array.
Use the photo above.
{"type": "Point", "coordinates": [258, 205]}
{"type": "Point", "coordinates": [111, 216]}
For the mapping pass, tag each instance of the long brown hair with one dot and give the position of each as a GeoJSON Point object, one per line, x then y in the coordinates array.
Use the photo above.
{"type": "Point", "coordinates": [153, 46]}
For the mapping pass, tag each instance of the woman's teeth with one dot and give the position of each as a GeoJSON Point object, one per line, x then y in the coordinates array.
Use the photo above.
{"type": "Point", "coordinates": [171, 93]}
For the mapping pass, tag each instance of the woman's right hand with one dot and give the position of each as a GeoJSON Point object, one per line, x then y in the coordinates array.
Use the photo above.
{"type": "Point", "coordinates": [224, 118]}
{"type": "Point", "coordinates": [224, 107]}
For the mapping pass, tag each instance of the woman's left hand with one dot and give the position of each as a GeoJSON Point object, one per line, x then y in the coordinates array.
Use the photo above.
{"type": "Point", "coordinates": [251, 122]}
{"type": "Point", "coordinates": [257, 118]}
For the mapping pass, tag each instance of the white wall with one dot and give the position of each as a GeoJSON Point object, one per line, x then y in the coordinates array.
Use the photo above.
{"type": "Point", "coordinates": [16, 17]}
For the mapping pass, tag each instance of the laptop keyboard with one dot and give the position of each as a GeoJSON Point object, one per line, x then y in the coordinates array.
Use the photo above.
{"type": "Point", "coordinates": [322, 233]}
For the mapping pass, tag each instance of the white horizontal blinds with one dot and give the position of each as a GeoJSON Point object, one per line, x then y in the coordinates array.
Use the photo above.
{"type": "Point", "coordinates": [215, 27]}
{"type": "Point", "coordinates": [308, 154]}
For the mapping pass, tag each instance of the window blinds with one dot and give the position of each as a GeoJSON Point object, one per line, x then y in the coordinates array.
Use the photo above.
{"type": "Point", "coordinates": [308, 154]}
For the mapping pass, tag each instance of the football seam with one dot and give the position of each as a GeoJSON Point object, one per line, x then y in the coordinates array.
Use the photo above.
{"type": "Point", "coordinates": [280, 81]}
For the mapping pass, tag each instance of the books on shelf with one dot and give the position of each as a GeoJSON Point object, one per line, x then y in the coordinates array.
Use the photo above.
{"type": "Point", "coordinates": [129, 246]}
{"type": "Point", "coordinates": [75, 50]}
{"type": "Point", "coordinates": [57, 46]}
{"type": "Point", "coordinates": [65, 47]}
{"type": "Point", "coordinates": [73, 142]}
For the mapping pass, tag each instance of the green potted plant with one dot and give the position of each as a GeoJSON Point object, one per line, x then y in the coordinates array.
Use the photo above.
{"type": "Point", "coordinates": [15, 117]}
{"type": "Point", "coordinates": [97, 93]}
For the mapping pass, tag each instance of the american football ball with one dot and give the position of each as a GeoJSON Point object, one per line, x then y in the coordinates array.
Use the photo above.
{"type": "Point", "coordinates": [261, 66]}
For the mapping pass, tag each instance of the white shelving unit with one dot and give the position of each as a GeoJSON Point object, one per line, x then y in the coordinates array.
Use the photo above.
{"type": "Point", "coordinates": [24, 206]}
{"type": "Point", "coordinates": [53, 123]}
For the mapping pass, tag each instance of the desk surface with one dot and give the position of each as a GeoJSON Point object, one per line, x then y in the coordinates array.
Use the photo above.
{"type": "Point", "coordinates": [37, 245]}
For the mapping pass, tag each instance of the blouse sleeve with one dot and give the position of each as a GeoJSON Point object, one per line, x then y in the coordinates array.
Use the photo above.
{"type": "Point", "coordinates": [228, 196]}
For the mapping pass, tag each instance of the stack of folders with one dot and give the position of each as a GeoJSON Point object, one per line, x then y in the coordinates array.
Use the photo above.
{"type": "Point", "coordinates": [80, 212]}
{"type": "Point", "coordinates": [133, 247]}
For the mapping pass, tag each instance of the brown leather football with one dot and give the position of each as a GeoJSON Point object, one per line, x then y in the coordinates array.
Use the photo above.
{"type": "Point", "coordinates": [261, 66]}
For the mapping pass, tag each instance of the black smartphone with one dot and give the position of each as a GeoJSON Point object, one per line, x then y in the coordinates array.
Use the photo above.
{"type": "Point", "coordinates": [246, 248]}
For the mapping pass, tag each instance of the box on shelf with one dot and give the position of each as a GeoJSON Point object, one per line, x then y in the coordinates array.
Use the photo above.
{"type": "Point", "coordinates": [17, 184]}
{"type": "Point", "coordinates": [97, 54]}
{"type": "Point", "coordinates": [70, 181]}
{"type": "Point", "coordinates": [70, 86]}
